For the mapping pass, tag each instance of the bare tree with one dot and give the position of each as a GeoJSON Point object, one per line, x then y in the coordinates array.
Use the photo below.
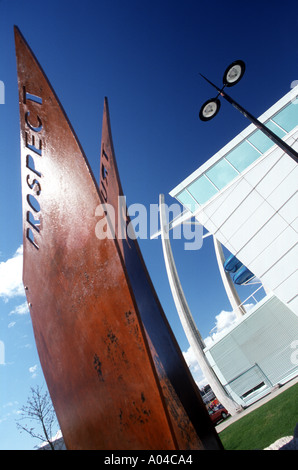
{"type": "Point", "coordinates": [40, 411]}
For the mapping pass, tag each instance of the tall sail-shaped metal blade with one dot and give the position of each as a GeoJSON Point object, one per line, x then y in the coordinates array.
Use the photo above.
{"type": "Point", "coordinates": [190, 421]}
{"type": "Point", "coordinates": [89, 335]}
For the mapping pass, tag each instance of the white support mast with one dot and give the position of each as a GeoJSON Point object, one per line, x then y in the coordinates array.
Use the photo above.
{"type": "Point", "coordinates": [188, 324]}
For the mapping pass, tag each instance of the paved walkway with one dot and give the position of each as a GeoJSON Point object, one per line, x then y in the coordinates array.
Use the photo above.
{"type": "Point", "coordinates": [224, 424]}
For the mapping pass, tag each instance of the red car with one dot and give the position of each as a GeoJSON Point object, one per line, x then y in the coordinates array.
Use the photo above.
{"type": "Point", "coordinates": [218, 414]}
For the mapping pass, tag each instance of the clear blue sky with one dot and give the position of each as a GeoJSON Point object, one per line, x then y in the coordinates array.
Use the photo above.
{"type": "Point", "coordinates": [145, 56]}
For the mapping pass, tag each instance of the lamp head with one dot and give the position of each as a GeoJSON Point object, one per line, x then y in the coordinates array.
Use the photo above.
{"type": "Point", "coordinates": [233, 73]}
{"type": "Point", "coordinates": [209, 109]}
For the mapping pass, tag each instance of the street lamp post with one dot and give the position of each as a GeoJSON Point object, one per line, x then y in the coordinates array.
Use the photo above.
{"type": "Point", "coordinates": [210, 108]}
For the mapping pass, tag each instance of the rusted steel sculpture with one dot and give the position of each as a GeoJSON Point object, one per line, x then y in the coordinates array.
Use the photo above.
{"type": "Point", "coordinates": [114, 370]}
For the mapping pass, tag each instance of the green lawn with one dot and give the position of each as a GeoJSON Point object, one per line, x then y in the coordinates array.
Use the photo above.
{"type": "Point", "coordinates": [266, 424]}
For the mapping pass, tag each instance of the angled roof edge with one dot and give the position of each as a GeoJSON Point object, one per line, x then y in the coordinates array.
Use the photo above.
{"type": "Point", "coordinates": [293, 93]}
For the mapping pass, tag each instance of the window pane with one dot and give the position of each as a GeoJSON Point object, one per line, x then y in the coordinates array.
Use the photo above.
{"type": "Point", "coordinates": [221, 174]}
{"type": "Point", "coordinates": [202, 190]}
{"type": "Point", "coordinates": [288, 117]}
{"type": "Point", "coordinates": [187, 201]}
{"type": "Point", "coordinates": [277, 130]}
{"type": "Point", "coordinates": [261, 141]}
{"type": "Point", "coordinates": [242, 156]}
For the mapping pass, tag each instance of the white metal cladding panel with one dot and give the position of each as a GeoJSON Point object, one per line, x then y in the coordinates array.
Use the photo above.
{"type": "Point", "coordinates": [277, 364]}
{"type": "Point", "coordinates": [229, 358]}
{"type": "Point", "coordinates": [247, 381]}
{"type": "Point", "coordinates": [292, 140]}
{"type": "Point", "coordinates": [293, 304]}
{"type": "Point", "coordinates": [240, 215]}
{"type": "Point", "coordinates": [263, 337]}
{"type": "Point", "coordinates": [251, 216]}
{"type": "Point", "coordinates": [269, 243]}
{"type": "Point", "coordinates": [289, 210]}
{"type": "Point", "coordinates": [289, 287]}
{"type": "Point", "coordinates": [269, 246]}
{"type": "Point", "coordinates": [284, 192]}
{"type": "Point", "coordinates": [275, 176]}
{"type": "Point", "coordinates": [256, 222]}
{"type": "Point", "coordinates": [222, 207]}
{"type": "Point", "coordinates": [262, 167]}
{"type": "Point", "coordinates": [294, 224]}
{"type": "Point", "coordinates": [282, 270]}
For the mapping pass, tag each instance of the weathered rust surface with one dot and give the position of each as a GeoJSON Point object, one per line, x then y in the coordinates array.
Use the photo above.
{"type": "Point", "coordinates": [190, 420]}
{"type": "Point", "coordinates": [100, 357]}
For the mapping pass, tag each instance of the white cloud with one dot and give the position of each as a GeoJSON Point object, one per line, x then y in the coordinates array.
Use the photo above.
{"type": "Point", "coordinates": [11, 324]}
{"type": "Point", "coordinates": [20, 309]}
{"type": "Point", "coordinates": [10, 410]}
{"type": "Point", "coordinates": [194, 367]}
{"type": "Point", "coordinates": [223, 322]}
{"type": "Point", "coordinates": [33, 371]}
{"type": "Point", "coordinates": [11, 284]}
{"type": "Point", "coordinates": [249, 306]}
{"type": "Point", "coordinates": [10, 404]}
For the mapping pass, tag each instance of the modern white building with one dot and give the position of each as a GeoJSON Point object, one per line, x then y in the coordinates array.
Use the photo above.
{"type": "Point", "coordinates": [246, 197]}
